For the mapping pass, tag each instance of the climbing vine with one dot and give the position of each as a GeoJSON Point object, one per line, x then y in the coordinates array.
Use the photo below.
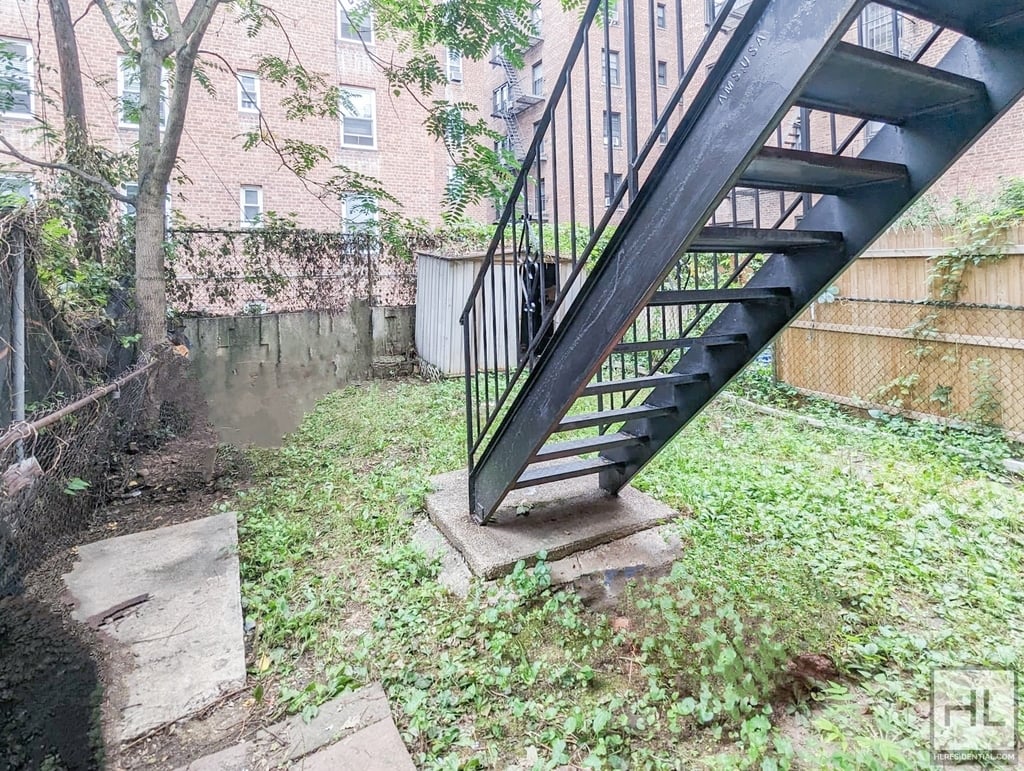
{"type": "Point", "coordinates": [981, 232]}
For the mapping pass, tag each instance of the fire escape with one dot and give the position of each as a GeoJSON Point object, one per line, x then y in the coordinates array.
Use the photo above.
{"type": "Point", "coordinates": [662, 307]}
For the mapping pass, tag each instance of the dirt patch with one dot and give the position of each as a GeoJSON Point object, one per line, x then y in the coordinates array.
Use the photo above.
{"type": "Point", "coordinates": [49, 690]}
{"type": "Point", "coordinates": [54, 671]}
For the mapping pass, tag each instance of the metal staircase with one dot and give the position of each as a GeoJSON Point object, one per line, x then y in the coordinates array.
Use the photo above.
{"type": "Point", "coordinates": [657, 307]}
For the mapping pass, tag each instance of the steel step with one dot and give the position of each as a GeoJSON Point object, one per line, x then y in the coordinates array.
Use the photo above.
{"type": "Point", "coordinates": [555, 472]}
{"type": "Point", "coordinates": [608, 417]}
{"type": "Point", "coordinates": [708, 296]}
{"type": "Point", "coordinates": [639, 383]}
{"type": "Point", "coordinates": [869, 84]}
{"type": "Point", "coordinates": [762, 240]}
{"type": "Point", "coordinates": [708, 341]}
{"type": "Point", "coordinates": [571, 447]}
{"type": "Point", "coordinates": [980, 19]}
{"type": "Point", "coordinates": [775, 168]}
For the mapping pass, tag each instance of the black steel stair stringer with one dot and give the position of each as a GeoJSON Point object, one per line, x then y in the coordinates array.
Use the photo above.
{"type": "Point", "coordinates": [747, 95]}
{"type": "Point", "coordinates": [927, 146]}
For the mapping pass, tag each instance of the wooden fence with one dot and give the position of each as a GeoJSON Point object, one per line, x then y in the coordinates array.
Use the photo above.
{"type": "Point", "coordinates": [880, 344]}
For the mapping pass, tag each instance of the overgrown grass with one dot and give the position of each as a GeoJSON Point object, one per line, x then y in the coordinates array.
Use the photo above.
{"type": "Point", "coordinates": [890, 553]}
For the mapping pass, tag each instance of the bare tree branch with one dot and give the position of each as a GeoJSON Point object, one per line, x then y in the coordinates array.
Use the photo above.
{"type": "Point", "coordinates": [199, 16]}
{"type": "Point", "coordinates": [174, 27]}
{"type": "Point", "coordinates": [113, 192]}
{"type": "Point", "coordinates": [122, 40]}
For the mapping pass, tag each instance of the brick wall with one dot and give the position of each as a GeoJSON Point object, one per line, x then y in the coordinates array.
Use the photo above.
{"type": "Point", "coordinates": [409, 164]}
{"type": "Point", "coordinates": [213, 164]}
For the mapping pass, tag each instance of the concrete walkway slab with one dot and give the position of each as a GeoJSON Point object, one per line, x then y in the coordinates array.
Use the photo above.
{"type": "Point", "coordinates": [353, 731]}
{"type": "Point", "coordinates": [185, 640]}
{"type": "Point", "coordinates": [561, 519]}
{"type": "Point", "coordinates": [376, 748]}
{"type": "Point", "coordinates": [343, 716]}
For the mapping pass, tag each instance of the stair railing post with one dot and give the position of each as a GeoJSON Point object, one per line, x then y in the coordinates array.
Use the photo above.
{"type": "Point", "coordinates": [632, 143]}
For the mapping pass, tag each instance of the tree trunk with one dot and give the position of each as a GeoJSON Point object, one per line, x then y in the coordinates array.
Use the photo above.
{"type": "Point", "coordinates": [72, 93]}
{"type": "Point", "coordinates": [89, 202]}
{"type": "Point", "coordinates": [150, 289]}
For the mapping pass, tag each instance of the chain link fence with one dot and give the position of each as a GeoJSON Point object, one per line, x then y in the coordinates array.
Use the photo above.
{"type": "Point", "coordinates": [264, 270]}
{"type": "Point", "coordinates": [60, 464]}
{"type": "Point", "coordinates": [920, 328]}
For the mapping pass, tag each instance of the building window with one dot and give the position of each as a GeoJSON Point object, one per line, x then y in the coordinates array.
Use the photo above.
{"type": "Point", "coordinates": [251, 206]}
{"type": "Point", "coordinates": [663, 136]}
{"type": "Point", "coordinates": [537, 17]}
{"type": "Point", "coordinates": [659, 16]}
{"type": "Point", "coordinates": [502, 99]}
{"type": "Point", "coordinates": [542, 148]}
{"type": "Point", "coordinates": [611, 184]}
{"type": "Point", "coordinates": [129, 93]}
{"type": "Point", "coordinates": [662, 73]}
{"type": "Point", "coordinates": [355, 22]}
{"type": "Point", "coordinates": [131, 189]}
{"type": "Point", "coordinates": [613, 12]}
{"type": "Point", "coordinates": [248, 92]}
{"type": "Point", "coordinates": [879, 29]}
{"type": "Point", "coordinates": [453, 61]}
{"type": "Point", "coordinates": [16, 65]}
{"type": "Point", "coordinates": [610, 67]}
{"type": "Point", "coordinates": [358, 121]}
{"type": "Point", "coordinates": [542, 197]}
{"type": "Point", "coordinates": [538, 79]}
{"type": "Point", "coordinates": [616, 128]}
{"type": "Point", "coordinates": [16, 190]}
{"type": "Point", "coordinates": [503, 146]}
{"type": "Point", "coordinates": [359, 213]}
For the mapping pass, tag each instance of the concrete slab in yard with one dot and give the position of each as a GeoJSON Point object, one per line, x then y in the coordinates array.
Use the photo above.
{"type": "Point", "coordinates": [349, 713]}
{"type": "Point", "coordinates": [564, 518]}
{"type": "Point", "coordinates": [232, 759]}
{"type": "Point", "coordinates": [185, 640]}
{"type": "Point", "coordinates": [353, 731]}
{"type": "Point", "coordinates": [376, 748]}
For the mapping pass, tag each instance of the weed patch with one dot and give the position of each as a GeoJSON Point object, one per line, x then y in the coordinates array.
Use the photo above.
{"type": "Point", "coordinates": [881, 553]}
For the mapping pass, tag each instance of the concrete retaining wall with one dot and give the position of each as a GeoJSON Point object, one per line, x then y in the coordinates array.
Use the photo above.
{"type": "Point", "coordinates": [261, 374]}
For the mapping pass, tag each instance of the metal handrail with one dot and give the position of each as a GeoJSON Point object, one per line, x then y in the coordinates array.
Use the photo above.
{"type": "Point", "coordinates": [515, 216]}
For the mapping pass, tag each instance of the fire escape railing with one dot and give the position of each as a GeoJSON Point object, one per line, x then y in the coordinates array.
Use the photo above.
{"type": "Point", "coordinates": [549, 228]}
{"type": "Point", "coordinates": [562, 207]}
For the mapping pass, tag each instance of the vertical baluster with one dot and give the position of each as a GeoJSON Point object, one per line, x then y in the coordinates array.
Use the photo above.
{"type": "Point", "coordinates": [551, 192]}
{"type": "Point", "coordinates": [609, 139]}
{"type": "Point", "coordinates": [510, 357]}
{"type": "Point", "coordinates": [571, 160]}
{"type": "Point", "coordinates": [805, 145]}
{"type": "Point", "coordinates": [680, 54]}
{"type": "Point", "coordinates": [632, 142]}
{"type": "Point", "coordinates": [589, 133]}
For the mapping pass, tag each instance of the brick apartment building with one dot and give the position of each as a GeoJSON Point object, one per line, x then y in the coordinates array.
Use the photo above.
{"type": "Point", "coordinates": [223, 185]}
{"type": "Point", "coordinates": [516, 99]}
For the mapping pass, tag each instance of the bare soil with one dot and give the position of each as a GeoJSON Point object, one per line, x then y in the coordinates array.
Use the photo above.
{"type": "Point", "coordinates": [54, 670]}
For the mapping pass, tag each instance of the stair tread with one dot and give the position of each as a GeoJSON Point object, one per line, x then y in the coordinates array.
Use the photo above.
{"type": "Point", "coordinates": [980, 20]}
{"type": "Point", "coordinates": [638, 383]}
{"type": "Point", "coordinates": [607, 417]}
{"type": "Point", "coordinates": [762, 240]}
{"type": "Point", "coordinates": [581, 446]}
{"type": "Point", "coordinates": [680, 342]}
{"type": "Point", "coordinates": [704, 296]}
{"type": "Point", "coordinates": [864, 83]}
{"type": "Point", "coordinates": [554, 472]}
{"type": "Point", "coordinates": [775, 168]}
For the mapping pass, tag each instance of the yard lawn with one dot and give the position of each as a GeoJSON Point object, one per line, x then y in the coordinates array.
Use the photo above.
{"type": "Point", "coordinates": [888, 553]}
